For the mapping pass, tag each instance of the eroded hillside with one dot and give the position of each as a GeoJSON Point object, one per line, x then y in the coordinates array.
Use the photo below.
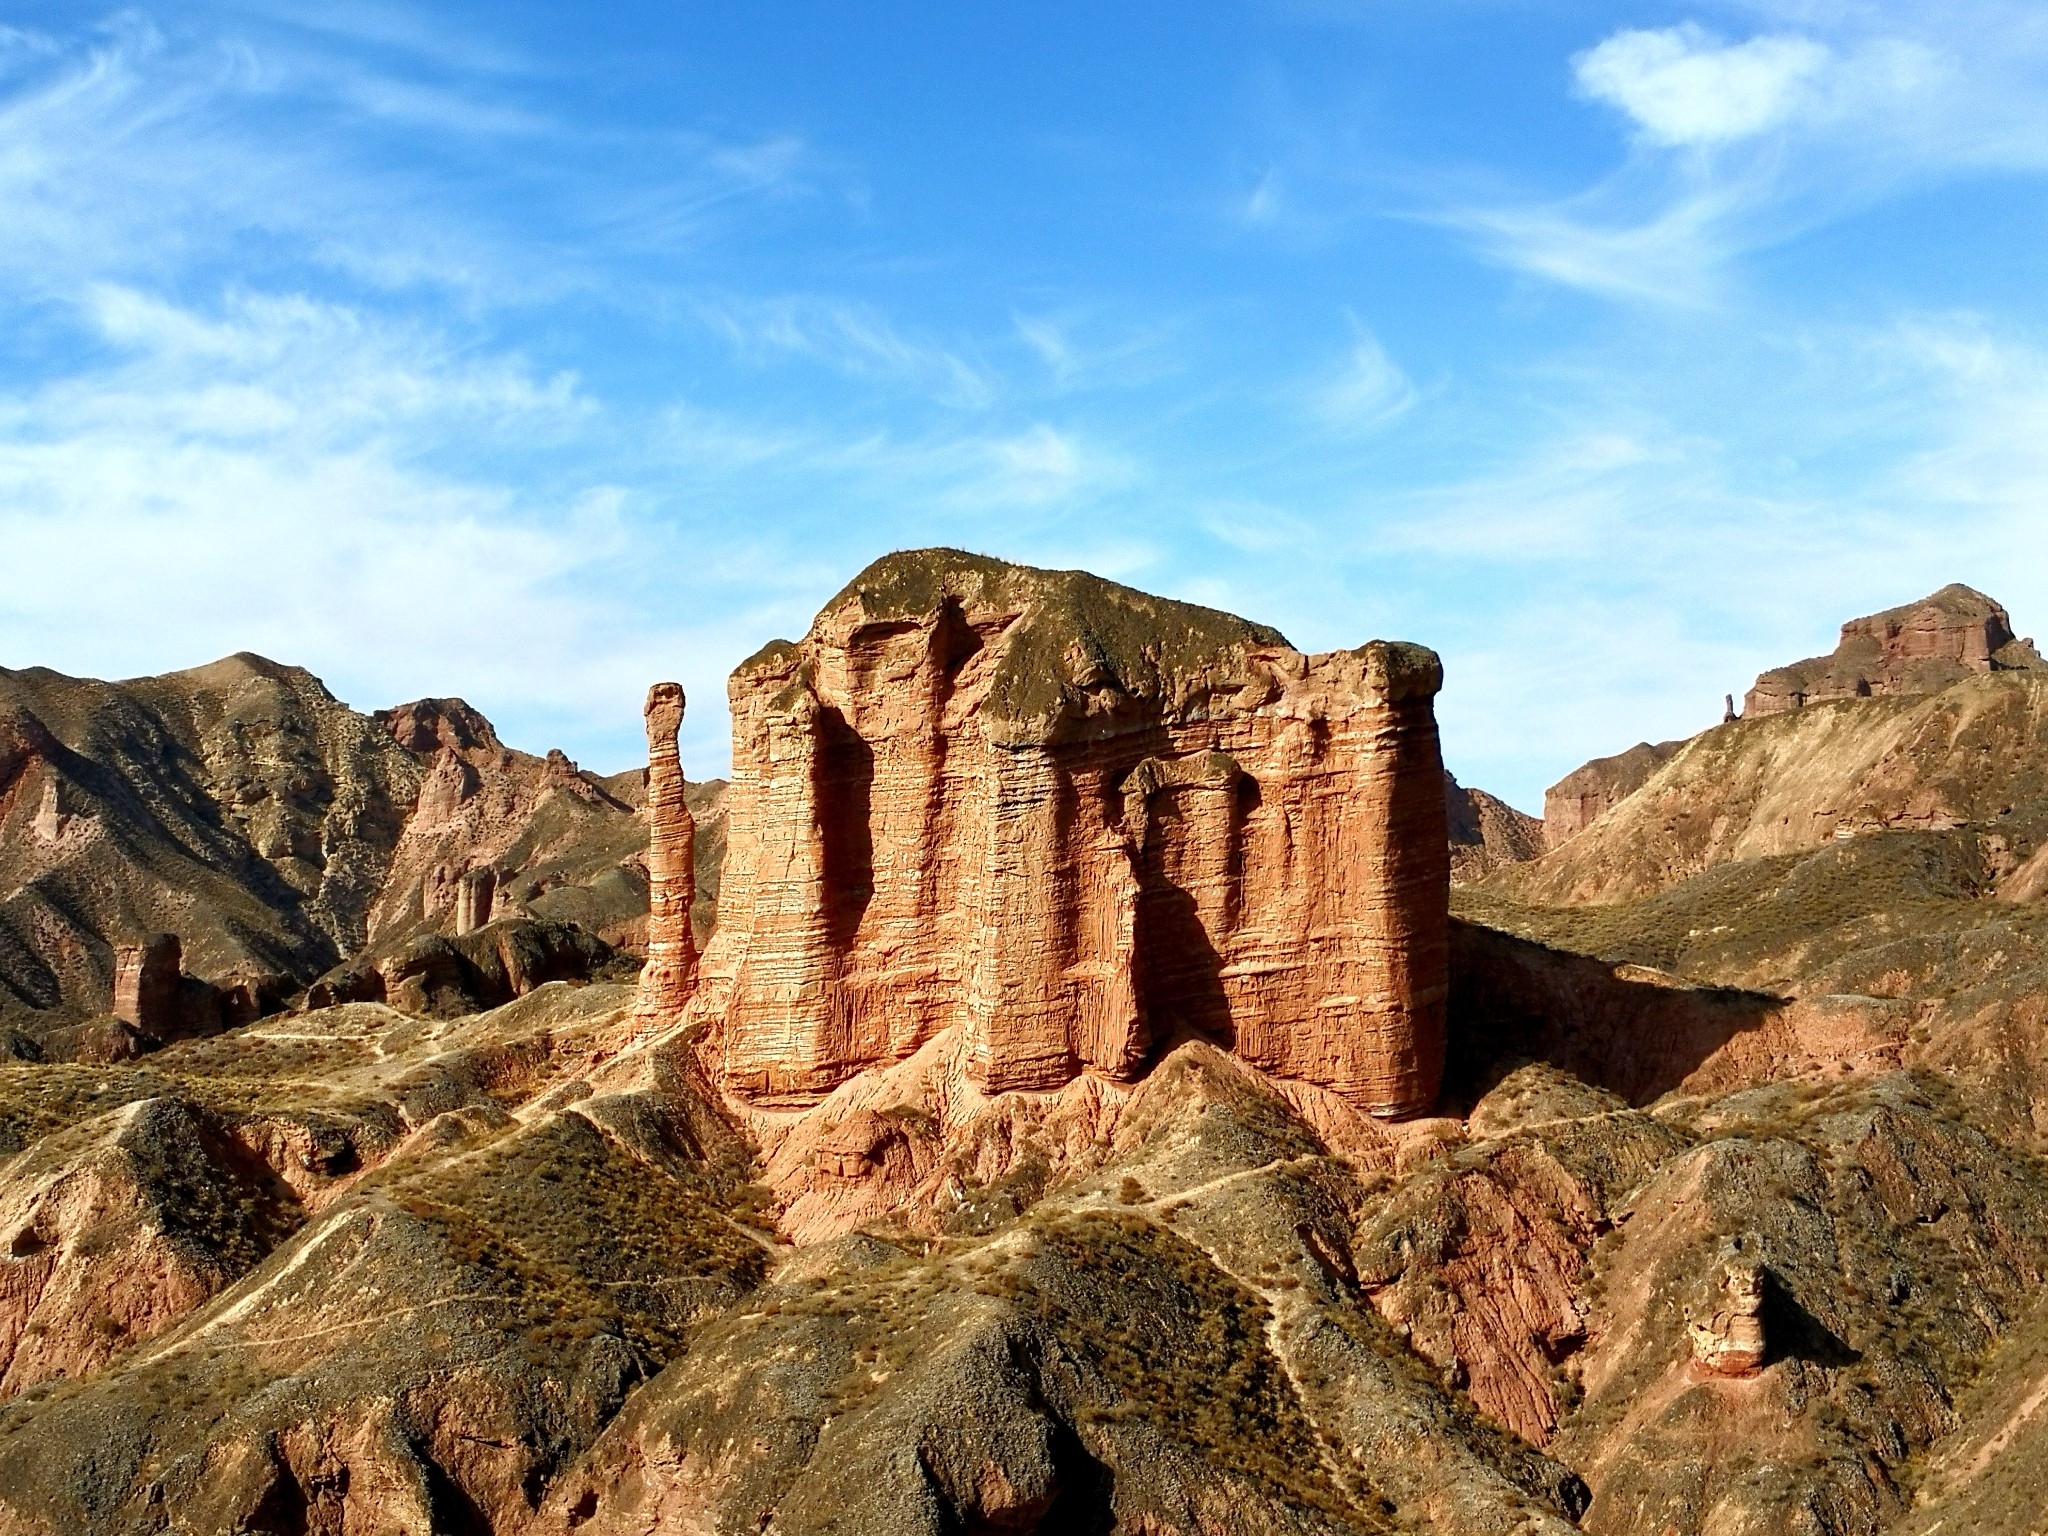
{"type": "Point", "coordinates": [1727, 1217]}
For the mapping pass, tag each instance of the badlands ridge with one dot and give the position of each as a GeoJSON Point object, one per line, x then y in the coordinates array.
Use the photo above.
{"type": "Point", "coordinates": [1056, 1086]}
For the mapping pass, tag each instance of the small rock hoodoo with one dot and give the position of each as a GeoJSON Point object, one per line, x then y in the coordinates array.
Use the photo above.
{"type": "Point", "coordinates": [1729, 1339]}
{"type": "Point", "coordinates": [1071, 821]}
{"type": "Point", "coordinates": [671, 970]}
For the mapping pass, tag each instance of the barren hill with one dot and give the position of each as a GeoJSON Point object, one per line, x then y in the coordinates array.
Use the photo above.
{"type": "Point", "coordinates": [278, 834]}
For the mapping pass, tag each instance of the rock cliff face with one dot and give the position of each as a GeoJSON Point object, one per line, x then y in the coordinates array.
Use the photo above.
{"type": "Point", "coordinates": [493, 830]}
{"type": "Point", "coordinates": [237, 805]}
{"type": "Point", "coordinates": [1920, 647]}
{"type": "Point", "coordinates": [1586, 794]}
{"type": "Point", "coordinates": [1072, 820]}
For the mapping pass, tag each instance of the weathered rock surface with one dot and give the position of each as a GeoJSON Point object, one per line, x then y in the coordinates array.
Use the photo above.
{"type": "Point", "coordinates": [119, 1225]}
{"type": "Point", "coordinates": [1050, 1372]}
{"type": "Point", "coordinates": [1728, 1333]}
{"type": "Point", "coordinates": [1071, 819]}
{"type": "Point", "coordinates": [1966, 760]}
{"type": "Point", "coordinates": [1917, 651]}
{"type": "Point", "coordinates": [275, 833]}
{"type": "Point", "coordinates": [536, 1270]}
{"type": "Point", "coordinates": [468, 1302]}
{"type": "Point", "coordinates": [236, 805]}
{"type": "Point", "coordinates": [1587, 793]}
{"type": "Point", "coordinates": [1919, 647]}
{"type": "Point", "coordinates": [1486, 832]}
{"type": "Point", "coordinates": [670, 974]}
{"type": "Point", "coordinates": [494, 833]}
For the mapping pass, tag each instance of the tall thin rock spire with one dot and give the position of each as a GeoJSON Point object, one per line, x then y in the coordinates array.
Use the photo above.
{"type": "Point", "coordinates": [670, 974]}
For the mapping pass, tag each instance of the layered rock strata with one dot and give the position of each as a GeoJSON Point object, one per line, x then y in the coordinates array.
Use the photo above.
{"type": "Point", "coordinates": [671, 970]}
{"type": "Point", "coordinates": [1074, 820]}
{"type": "Point", "coordinates": [1588, 792]}
{"type": "Point", "coordinates": [1915, 648]}
{"type": "Point", "coordinates": [146, 983]}
{"type": "Point", "coordinates": [1729, 1339]}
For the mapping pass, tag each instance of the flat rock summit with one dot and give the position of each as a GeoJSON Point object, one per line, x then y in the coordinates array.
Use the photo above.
{"type": "Point", "coordinates": [1092, 1070]}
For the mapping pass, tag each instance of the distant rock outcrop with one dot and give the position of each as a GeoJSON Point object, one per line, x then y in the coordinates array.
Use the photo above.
{"type": "Point", "coordinates": [1486, 832]}
{"type": "Point", "coordinates": [1919, 647]}
{"type": "Point", "coordinates": [146, 978]}
{"type": "Point", "coordinates": [1587, 793]}
{"type": "Point", "coordinates": [1072, 819]}
{"type": "Point", "coordinates": [1934, 729]}
{"type": "Point", "coordinates": [1728, 1337]}
{"type": "Point", "coordinates": [280, 835]}
{"type": "Point", "coordinates": [494, 830]}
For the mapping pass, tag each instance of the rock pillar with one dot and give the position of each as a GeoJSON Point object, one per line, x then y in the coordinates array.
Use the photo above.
{"type": "Point", "coordinates": [147, 980]}
{"type": "Point", "coordinates": [475, 899]}
{"type": "Point", "coordinates": [1075, 821]}
{"type": "Point", "coordinates": [670, 974]}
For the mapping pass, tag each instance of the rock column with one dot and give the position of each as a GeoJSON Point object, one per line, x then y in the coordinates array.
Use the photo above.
{"type": "Point", "coordinates": [670, 974]}
{"type": "Point", "coordinates": [475, 898]}
{"type": "Point", "coordinates": [147, 978]}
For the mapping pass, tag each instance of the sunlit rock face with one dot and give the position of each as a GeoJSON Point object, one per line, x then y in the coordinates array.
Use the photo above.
{"type": "Point", "coordinates": [671, 970]}
{"type": "Point", "coordinates": [1915, 648]}
{"type": "Point", "coordinates": [1588, 792]}
{"type": "Point", "coordinates": [1074, 820]}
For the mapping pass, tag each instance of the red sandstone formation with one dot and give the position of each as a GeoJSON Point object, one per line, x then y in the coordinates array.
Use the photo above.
{"type": "Point", "coordinates": [1917, 648]}
{"type": "Point", "coordinates": [147, 978]}
{"type": "Point", "coordinates": [488, 827]}
{"type": "Point", "coordinates": [475, 896]}
{"type": "Point", "coordinates": [1587, 793]}
{"type": "Point", "coordinates": [1073, 820]}
{"type": "Point", "coordinates": [671, 970]}
{"type": "Point", "coordinates": [1729, 1340]}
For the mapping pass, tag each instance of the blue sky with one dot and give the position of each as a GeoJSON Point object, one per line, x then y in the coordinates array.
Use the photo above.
{"type": "Point", "coordinates": [533, 352]}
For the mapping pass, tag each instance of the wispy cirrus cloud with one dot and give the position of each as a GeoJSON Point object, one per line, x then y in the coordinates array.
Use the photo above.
{"type": "Point", "coordinates": [856, 339]}
{"type": "Point", "coordinates": [131, 152]}
{"type": "Point", "coordinates": [1366, 392]}
{"type": "Point", "coordinates": [1739, 143]}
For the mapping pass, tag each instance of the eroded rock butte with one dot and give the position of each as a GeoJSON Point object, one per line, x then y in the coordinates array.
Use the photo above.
{"type": "Point", "coordinates": [1074, 820]}
{"type": "Point", "coordinates": [1915, 648]}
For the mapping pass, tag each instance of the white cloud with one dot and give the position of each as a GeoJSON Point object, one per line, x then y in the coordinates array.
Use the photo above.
{"type": "Point", "coordinates": [127, 153]}
{"type": "Point", "coordinates": [1367, 392]}
{"type": "Point", "coordinates": [1684, 86]}
{"type": "Point", "coordinates": [1042, 465]}
{"type": "Point", "coordinates": [260, 477]}
{"type": "Point", "coordinates": [856, 339]}
{"type": "Point", "coordinates": [1622, 571]}
{"type": "Point", "coordinates": [1084, 349]}
{"type": "Point", "coordinates": [1263, 204]}
{"type": "Point", "coordinates": [1672, 256]}
{"type": "Point", "coordinates": [1745, 145]}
